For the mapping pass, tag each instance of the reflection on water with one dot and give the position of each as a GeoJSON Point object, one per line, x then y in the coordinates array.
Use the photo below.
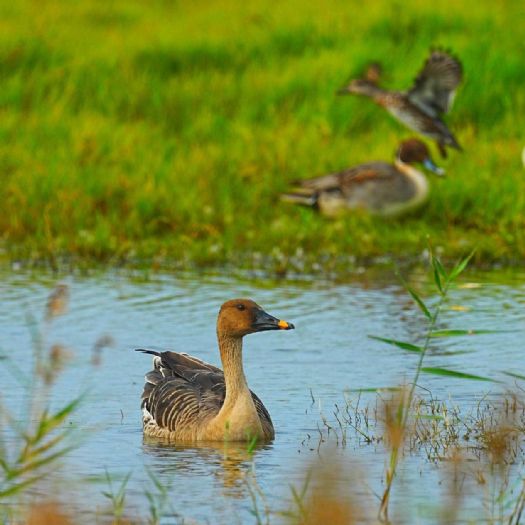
{"type": "Point", "coordinates": [328, 354]}
{"type": "Point", "coordinates": [228, 463]}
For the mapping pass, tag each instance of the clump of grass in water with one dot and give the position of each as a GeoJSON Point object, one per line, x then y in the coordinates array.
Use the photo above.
{"type": "Point", "coordinates": [156, 493]}
{"type": "Point", "coordinates": [117, 496]}
{"type": "Point", "coordinates": [479, 447]}
{"type": "Point", "coordinates": [322, 499]}
{"type": "Point", "coordinates": [48, 513]}
{"type": "Point", "coordinates": [495, 431]}
{"type": "Point", "coordinates": [41, 440]}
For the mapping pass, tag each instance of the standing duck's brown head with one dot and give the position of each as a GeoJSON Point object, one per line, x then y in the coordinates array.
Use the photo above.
{"type": "Point", "coordinates": [240, 317]}
{"type": "Point", "coordinates": [414, 151]}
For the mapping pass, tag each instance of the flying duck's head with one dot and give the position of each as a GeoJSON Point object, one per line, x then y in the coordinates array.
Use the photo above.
{"type": "Point", "coordinates": [359, 86]}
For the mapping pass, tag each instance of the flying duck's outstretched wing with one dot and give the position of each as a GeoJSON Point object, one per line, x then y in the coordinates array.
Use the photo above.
{"type": "Point", "coordinates": [182, 391]}
{"type": "Point", "coordinates": [435, 86]}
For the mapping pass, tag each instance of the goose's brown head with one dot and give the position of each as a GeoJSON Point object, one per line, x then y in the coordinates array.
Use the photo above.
{"type": "Point", "coordinates": [239, 317]}
{"type": "Point", "coordinates": [414, 151]}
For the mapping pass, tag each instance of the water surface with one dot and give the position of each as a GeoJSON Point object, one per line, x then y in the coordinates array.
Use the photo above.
{"type": "Point", "coordinates": [300, 375]}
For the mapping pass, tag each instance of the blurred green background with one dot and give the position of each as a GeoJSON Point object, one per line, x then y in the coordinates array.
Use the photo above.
{"type": "Point", "coordinates": [165, 131]}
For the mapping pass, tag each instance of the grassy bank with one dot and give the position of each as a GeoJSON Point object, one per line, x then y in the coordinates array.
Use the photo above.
{"type": "Point", "coordinates": [167, 130]}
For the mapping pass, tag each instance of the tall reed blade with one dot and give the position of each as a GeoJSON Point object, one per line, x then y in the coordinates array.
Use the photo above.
{"type": "Point", "coordinates": [442, 280]}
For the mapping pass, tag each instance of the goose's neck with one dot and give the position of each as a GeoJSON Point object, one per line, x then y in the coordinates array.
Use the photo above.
{"type": "Point", "coordinates": [237, 419]}
{"type": "Point", "coordinates": [231, 357]}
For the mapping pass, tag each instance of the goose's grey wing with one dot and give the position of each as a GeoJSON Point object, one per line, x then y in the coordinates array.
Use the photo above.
{"type": "Point", "coordinates": [435, 86]}
{"type": "Point", "coordinates": [177, 403]}
{"type": "Point", "coordinates": [182, 390]}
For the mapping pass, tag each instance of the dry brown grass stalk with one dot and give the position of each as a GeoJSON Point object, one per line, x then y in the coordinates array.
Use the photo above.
{"type": "Point", "coordinates": [48, 513]}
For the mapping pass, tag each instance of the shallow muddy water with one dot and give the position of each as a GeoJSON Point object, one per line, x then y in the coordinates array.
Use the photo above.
{"type": "Point", "coordinates": [300, 375]}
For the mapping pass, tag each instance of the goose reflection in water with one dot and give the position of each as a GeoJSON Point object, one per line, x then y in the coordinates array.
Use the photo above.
{"type": "Point", "coordinates": [230, 463]}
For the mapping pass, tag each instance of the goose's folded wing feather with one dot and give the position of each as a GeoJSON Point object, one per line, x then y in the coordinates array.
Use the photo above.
{"type": "Point", "coordinates": [183, 389]}
{"type": "Point", "coordinates": [434, 88]}
{"type": "Point", "coordinates": [175, 402]}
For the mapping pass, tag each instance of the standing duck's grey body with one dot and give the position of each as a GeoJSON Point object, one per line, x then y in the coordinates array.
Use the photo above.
{"type": "Point", "coordinates": [378, 187]}
{"type": "Point", "coordinates": [186, 399]}
{"type": "Point", "coordinates": [422, 107]}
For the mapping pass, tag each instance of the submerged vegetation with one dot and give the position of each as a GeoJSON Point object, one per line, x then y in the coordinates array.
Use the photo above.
{"type": "Point", "coordinates": [484, 446]}
{"type": "Point", "coordinates": [165, 131]}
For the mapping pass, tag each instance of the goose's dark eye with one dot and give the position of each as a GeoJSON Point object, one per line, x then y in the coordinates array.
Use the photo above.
{"type": "Point", "coordinates": [241, 307]}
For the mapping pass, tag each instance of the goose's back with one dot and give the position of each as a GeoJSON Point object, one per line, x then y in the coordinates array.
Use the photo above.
{"type": "Point", "coordinates": [182, 394]}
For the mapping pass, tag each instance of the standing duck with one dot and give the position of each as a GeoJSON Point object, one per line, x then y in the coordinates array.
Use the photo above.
{"type": "Point", "coordinates": [186, 399]}
{"type": "Point", "coordinates": [378, 187]}
{"type": "Point", "coordinates": [422, 107]}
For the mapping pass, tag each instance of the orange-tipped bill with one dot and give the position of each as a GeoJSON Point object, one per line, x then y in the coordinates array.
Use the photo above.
{"type": "Point", "coordinates": [264, 321]}
{"type": "Point", "coordinates": [283, 325]}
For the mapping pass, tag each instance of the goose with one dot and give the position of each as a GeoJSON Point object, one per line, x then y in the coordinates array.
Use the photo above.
{"type": "Point", "coordinates": [378, 187]}
{"type": "Point", "coordinates": [421, 107]}
{"type": "Point", "coordinates": [186, 399]}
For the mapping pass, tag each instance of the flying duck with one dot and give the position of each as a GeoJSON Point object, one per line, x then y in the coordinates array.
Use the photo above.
{"type": "Point", "coordinates": [422, 106]}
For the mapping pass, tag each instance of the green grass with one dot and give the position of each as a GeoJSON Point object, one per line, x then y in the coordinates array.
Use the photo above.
{"type": "Point", "coordinates": [165, 131]}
